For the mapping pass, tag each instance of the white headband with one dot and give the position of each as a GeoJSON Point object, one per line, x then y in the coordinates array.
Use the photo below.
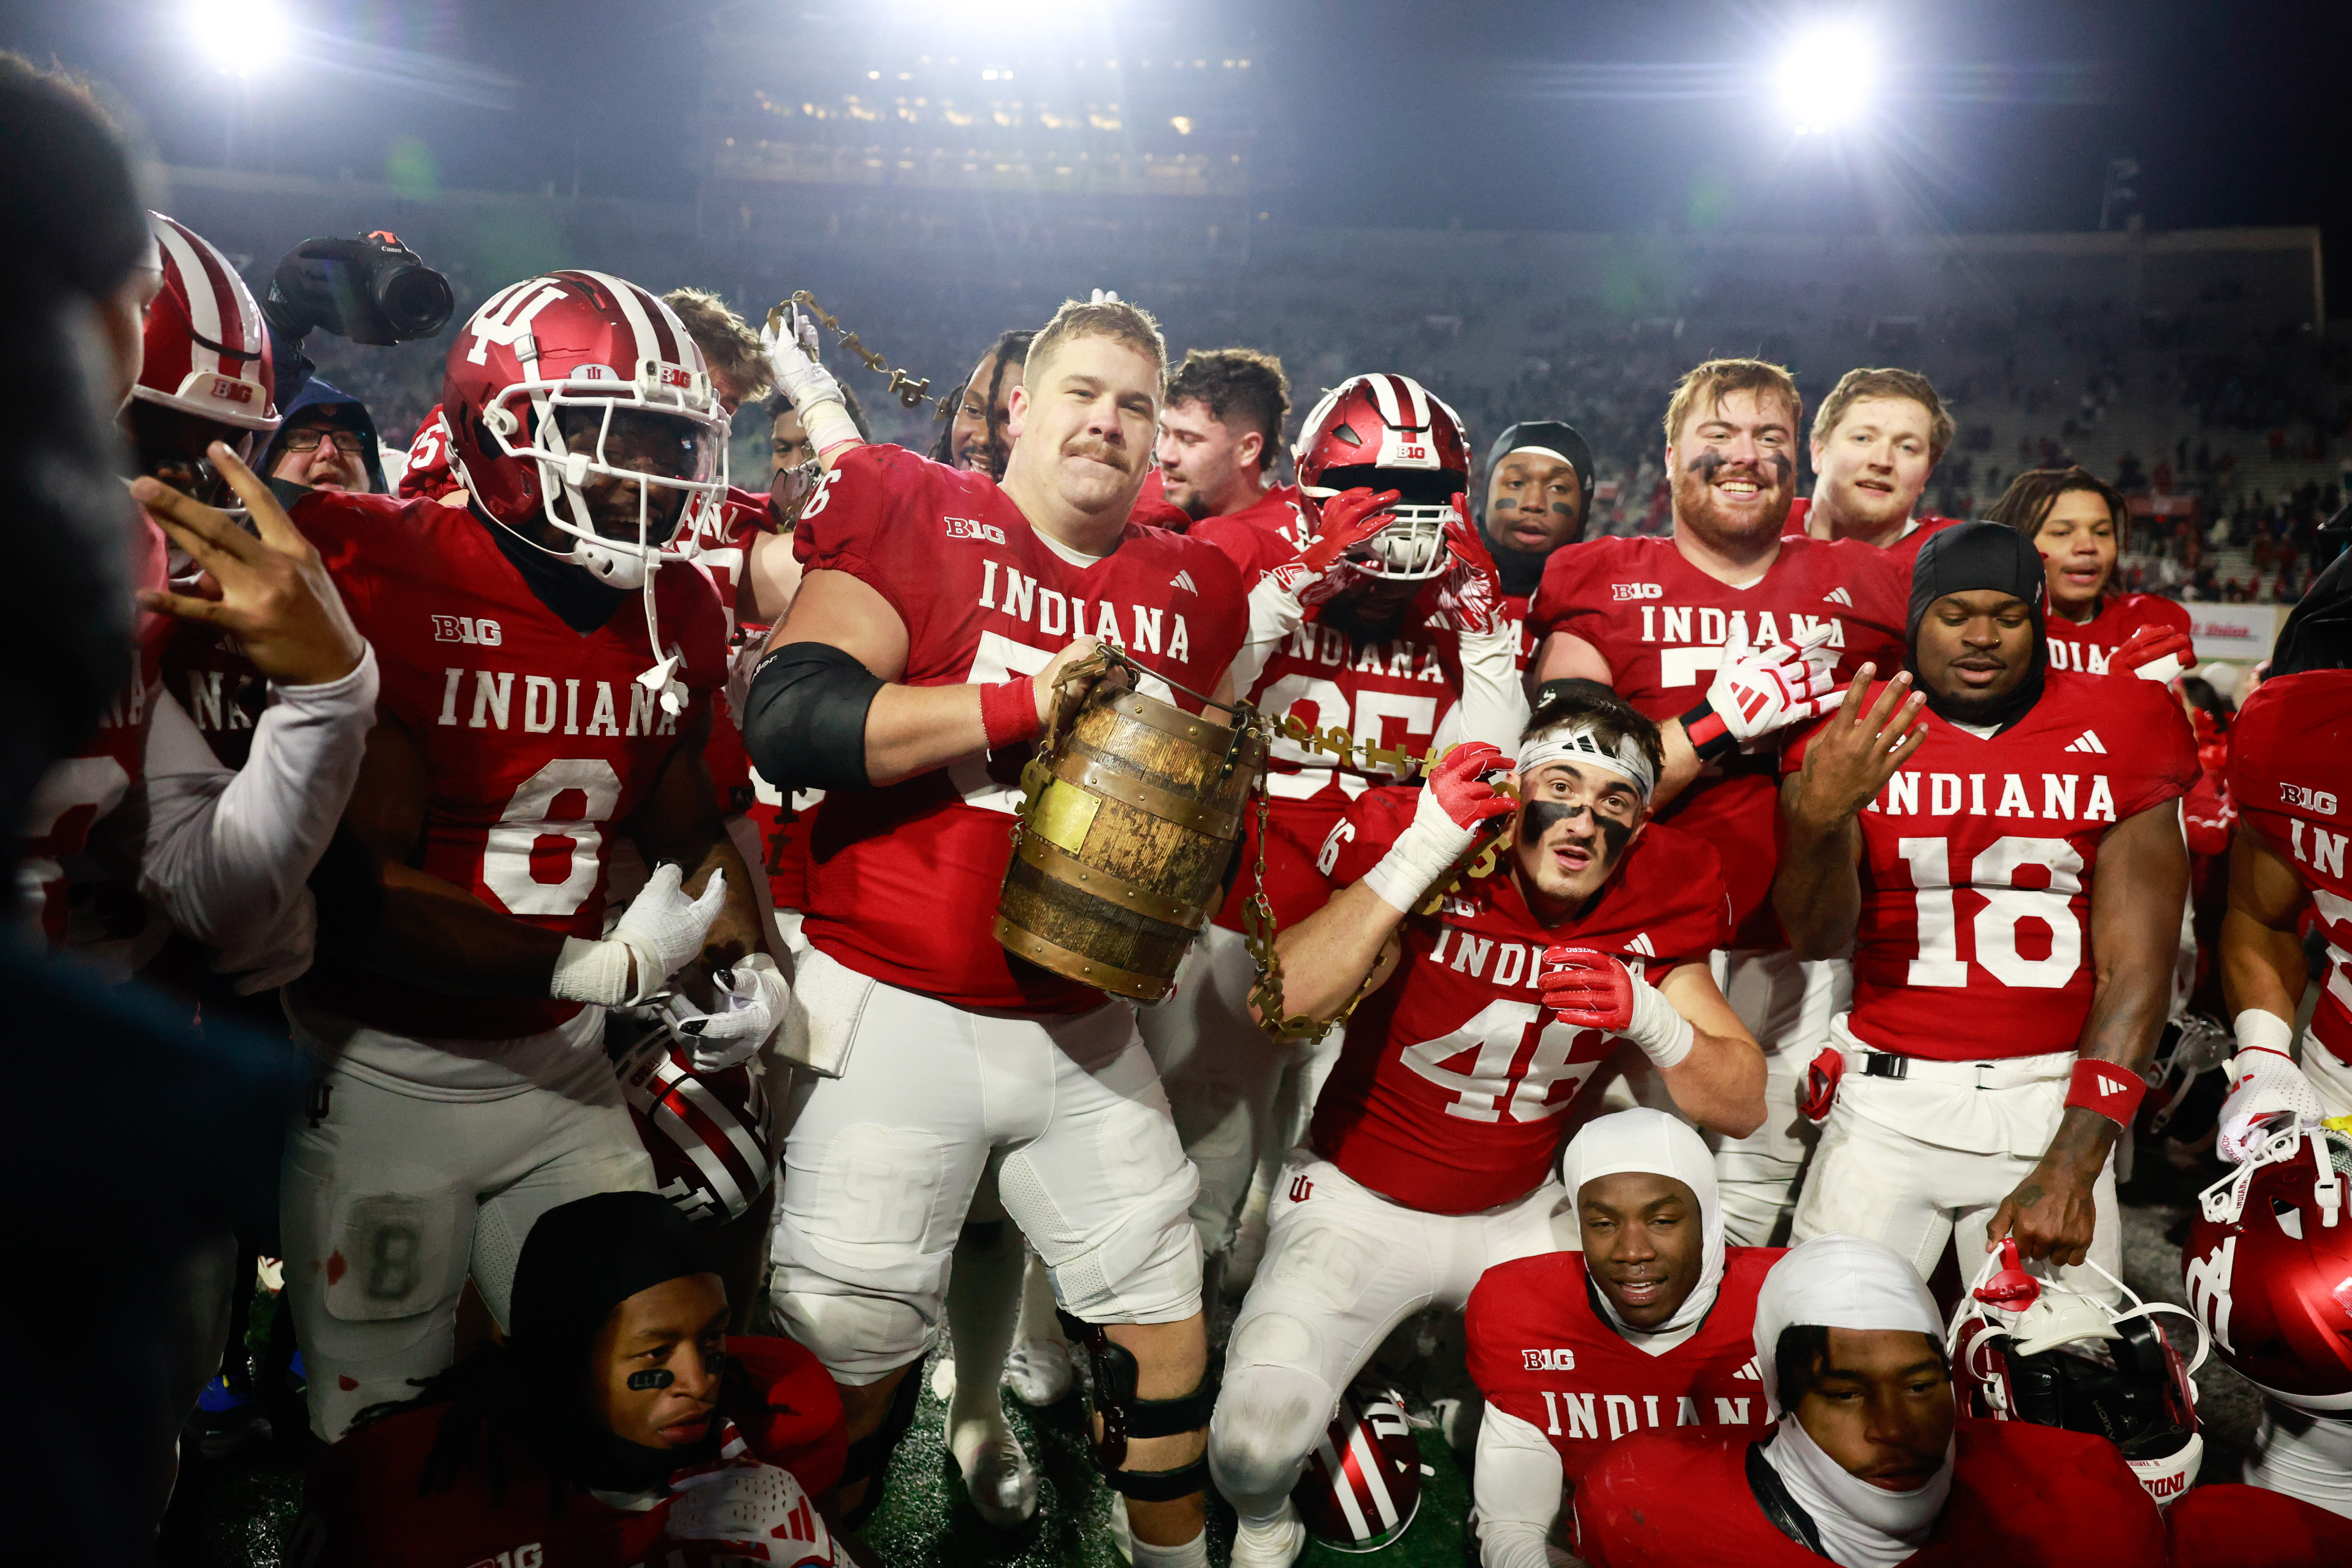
{"type": "Point", "coordinates": [1581, 743]}
{"type": "Point", "coordinates": [1544, 451]}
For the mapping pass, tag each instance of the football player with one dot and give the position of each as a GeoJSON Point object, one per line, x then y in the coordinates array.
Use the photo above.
{"type": "Point", "coordinates": [1871, 1462]}
{"type": "Point", "coordinates": [1651, 1324]}
{"type": "Point", "coordinates": [1219, 438]}
{"type": "Point", "coordinates": [1668, 623]}
{"type": "Point", "coordinates": [2000, 843]}
{"type": "Point", "coordinates": [978, 438]}
{"type": "Point", "coordinates": [1539, 495]}
{"type": "Point", "coordinates": [1876, 440]}
{"type": "Point", "coordinates": [2079, 524]}
{"type": "Point", "coordinates": [1484, 1005]}
{"type": "Point", "coordinates": [548, 685]}
{"type": "Point", "coordinates": [2290, 766]}
{"type": "Point", "coordinates": [915, 671]}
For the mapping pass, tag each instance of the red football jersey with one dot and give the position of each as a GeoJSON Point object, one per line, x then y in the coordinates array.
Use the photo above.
{"type": "Point", "coordinates": [1662, 625]}
{"type": "Point", "coordinates": [539, 742]}
{"type": "Point", "coordinates": [361, 1507]}
{"type": "Point", "coordinates": [2291, 776]}
{"type": "Point", "coordinates": [722, 549]}
{"type": "Point", "coordinates": [983, 597]}
{"type": "Point", "coordinates": [1539, 1351]}
{"type": "Point", "coordinates": [78, 791]}
{"type": "Point", "coordinates": [1977, 859]}
{"type": "Point", "coordinates": [2231, 1526]}
{"type": "Point", "coordinates": [2022, 1496]}
{"type": "Point", "coordinates": [1905, 549]}
{"type": "Point", "coordinates": [1452, 1075]}
{"type": "Point", "coordinates": [430, 475]}
{"type": "Point", "coordinates": [2085, 647]}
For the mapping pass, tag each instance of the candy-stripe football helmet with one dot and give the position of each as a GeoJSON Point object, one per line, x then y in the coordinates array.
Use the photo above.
{"type": "Point", "coordinates": [706, 1132]}
{"type": "Point", "coordinates": [1389, 432]}
{"type": "Point", "coordinates": [2269, 1268]}
{"type": "Point", "coordinates": [1362, 1483]}
{"type": "Point", "coordinates": [207, 348]}
{"type": "Point", "coordinates": [576, 356]}
{"type": "Point", "coordinates": [2025, 1350]}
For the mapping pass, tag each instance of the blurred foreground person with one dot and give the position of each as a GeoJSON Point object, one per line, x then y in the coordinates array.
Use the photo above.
{"type": "Point", "coordinates": [618, 1423]}
{"type": "Point", "coordinates": [1871, 1464]}
{"type": "Point", "coordinates": [188, 1143]}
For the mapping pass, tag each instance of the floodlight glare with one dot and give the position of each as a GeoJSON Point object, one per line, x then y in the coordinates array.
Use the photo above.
{"type": "Point", "coordinates": [240, 38]}
{"type": "Point", "coordinates": [1828, 78]}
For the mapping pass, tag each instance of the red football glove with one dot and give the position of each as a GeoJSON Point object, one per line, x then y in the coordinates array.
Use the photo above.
{"type": "Point", "coordinates": [1595, 991]}
{"type": "Point", "coordinates": [1471, 588]}
{"type": "Point", "coordinates": [2154, 653]}
{"type": "Point", "coordinates": [1454, 809]}
{"type": "Point", "coordinates": [1348, 519]}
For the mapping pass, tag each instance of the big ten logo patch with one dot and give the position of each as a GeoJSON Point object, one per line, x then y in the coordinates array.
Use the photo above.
{"type": "Point", "coordinates": [1623, 592]}
{"type": "Point", "coordinates": [481, 631]}
{"type": "Point", "coordinates": [971, 528]}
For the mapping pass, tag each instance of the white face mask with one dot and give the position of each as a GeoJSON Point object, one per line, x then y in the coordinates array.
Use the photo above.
{"type": "Point", "coordinates": [1861, 1525]}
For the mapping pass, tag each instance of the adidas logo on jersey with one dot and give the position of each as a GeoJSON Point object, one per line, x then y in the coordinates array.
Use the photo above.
{"type": "Point", "coordinates": [1748, 1374]}
{"type": "Point", "coordinates": [2088, 740]}
{"type": "Point", "coordinates": [1641, 945]}
{"type": "Point", "coordinates": [1183, 580]}
{"type": "Point", "coordinates": [1556, 1359]}
{"type": "Point", "coordinates": [1838, 596]}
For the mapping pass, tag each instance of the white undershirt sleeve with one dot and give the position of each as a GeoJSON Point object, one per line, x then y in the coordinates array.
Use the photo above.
{"type": "Point", "coordinates": [1274, 613]}
{"type": "Point", "coordinates": [1518, 1485]}
{"type": "Point", "coordinates": [1493, 707]}
{"type": "Point", "coordinates": [227, 855]}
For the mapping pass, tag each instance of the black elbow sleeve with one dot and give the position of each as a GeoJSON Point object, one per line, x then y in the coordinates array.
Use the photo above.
{"type": "Point", "coordinates": [805, 720]}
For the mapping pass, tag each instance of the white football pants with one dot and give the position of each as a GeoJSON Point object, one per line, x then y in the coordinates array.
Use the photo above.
{"type": "Point", "coordinates": [1787, 1003]}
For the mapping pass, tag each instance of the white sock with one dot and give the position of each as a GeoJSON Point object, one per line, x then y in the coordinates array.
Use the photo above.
{"type": "Point", "coordinates": [983, 1299]}
{"type": "Point", "coordinates": [1037, 1319]}
{"type": "Point", "coordinates": [1193, 1553]}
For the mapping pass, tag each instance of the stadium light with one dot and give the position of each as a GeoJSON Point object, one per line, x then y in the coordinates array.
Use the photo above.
{"type": "Point", "coordinates": [240, 38]}
{"type": "Point", "coordinates": [1828, 78]}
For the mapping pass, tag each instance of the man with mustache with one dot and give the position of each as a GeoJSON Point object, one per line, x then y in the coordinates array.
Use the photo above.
{"type": "Point", "coordinates": [1475, 1007]}
{"type": "Point", "coordinates": [1875, 445]}
{"type": "Point", "coordinates": [1653, 1316]}
{"type": "Point", "coordinates": [1666, 622]}
{"type": "Point", "coordinates": [1872, 1465]}
{"type": "Point", "coordinates": [2000, 843]}
{"type": "Point", "coordinates": [911, 680]}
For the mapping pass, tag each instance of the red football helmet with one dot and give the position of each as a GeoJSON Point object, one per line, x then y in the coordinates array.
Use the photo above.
{"type": "Point", "coordinates": [708, 1132]}
{"type": "Point", "coordinates": [2269, 1268]}
{"type": "Point", "coordinates": [207, 347]}
{"type": "Point", "coordinates": [1388, 432]}
{"type": "Point", "coordinates": [2025, 1350]}
{"type": "Point", "coordinates": [566, 357]}
{"type": "Point", "coordinates": [1362, 1483]}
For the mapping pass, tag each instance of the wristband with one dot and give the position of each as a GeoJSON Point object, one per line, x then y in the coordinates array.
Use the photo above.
{"type": "Point", "coordinates": [1665, 1037]}
{"type": "Point", "coordinates": [2261, 1031]}
{"type": "Point", "coordinates": [2112, 1092]}
{"type": "Point", "coordinates": [593, 972]}
{"type": "Point", "coordinates": [828, 424]}
{"type": "Point", "coordinates": [1708, 735]}
{"type": "Point", "coordinates": [1008, 712]}
{"type": "Point", "coordinates": [1413, 866]}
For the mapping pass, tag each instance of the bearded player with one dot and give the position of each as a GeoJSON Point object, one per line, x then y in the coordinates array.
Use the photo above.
{"type": "Point", "coordinates": [1484, 1005]}
{"type": "Point", "coordinates": [2079, 524]}
{"type": "Point", "coordinates": [1650, 1323]}
{"type": "Point", "coordinates": [1666, 622]}
{"type": "Point", "coordinates": [1876, 440]}
{"type": "Point", "coordinates": [548, 685]}
{"type": "Point", "coordinates": [909, 681]}
{"type": "Point", "coordinates": [2000, 843]}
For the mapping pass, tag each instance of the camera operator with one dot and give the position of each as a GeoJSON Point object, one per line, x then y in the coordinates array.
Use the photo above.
{"type": "Point", "coordinates": [327, 443]}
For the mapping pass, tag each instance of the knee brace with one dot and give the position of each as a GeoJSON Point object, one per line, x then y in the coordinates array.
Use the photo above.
{"type": "Point", "coordinates": [868, 1459]}
{"type": "Point", "coordinates": [1127, 1416]}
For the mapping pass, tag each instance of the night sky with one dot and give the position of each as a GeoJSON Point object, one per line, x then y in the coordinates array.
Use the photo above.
{"type": "Point", "coordinates": [1507, 115]}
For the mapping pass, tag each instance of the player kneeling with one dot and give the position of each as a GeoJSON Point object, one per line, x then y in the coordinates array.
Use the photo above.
{"type": "Point", "coordinates": [1652, 1320]}
{"type": "Point", "coordinates": [1872, 1462]}
{"type": "Point", "coordinates": [1486, 1005]}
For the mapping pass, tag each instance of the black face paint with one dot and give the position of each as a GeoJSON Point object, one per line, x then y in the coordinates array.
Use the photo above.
{"type": "Point", "coordinates": [658, 1377]}
{"type": "Point", "coordinates": [1615, 835]}
{"type": "Point", "coordinates": [1536, 818]}
{"type": "Point", "coordinates": [1705, 463]}
{"type": "Point", "coordinates": [1782, 468]}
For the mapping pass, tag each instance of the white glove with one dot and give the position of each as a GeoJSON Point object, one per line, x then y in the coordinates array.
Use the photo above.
{"type": "Point", "coordinates": [758, 1510]}
{"type": "Point", "coordinates": [751, 1002]}
{"type": "Point", "coordinates": [2264, 1081]}
{"type": "Point", "coordinates": [1105, 297]}
{"type": "Point", "coordinates": [661, 930]}
{"type": "Point", "coordinates": [1756, 692]}
{"type": "Point", "coordinates": [815, 394]}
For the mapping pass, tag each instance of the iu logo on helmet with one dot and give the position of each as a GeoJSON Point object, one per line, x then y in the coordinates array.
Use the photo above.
{"type": "Point", "coordinates": [2208, 1279]}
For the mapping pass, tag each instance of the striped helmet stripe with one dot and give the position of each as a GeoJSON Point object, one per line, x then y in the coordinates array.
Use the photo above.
{"type": "Point", "coordinates": [1364, 1463]}
{"type": "Point", "coordinates": [1384, 398]}
{"type": "Point", "coordinates": [718, 1115]}
{"type": "Point", "coordinates": [183, 254]}
{"type": "Point", "coordinates": [1420, 401]}
{"type": "Point", "coordinates": [633, 301]}
{"type": "Point", "coordinates": [1342, 1491]}
{"type": "Point", "coordinates": [691, 1143]}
